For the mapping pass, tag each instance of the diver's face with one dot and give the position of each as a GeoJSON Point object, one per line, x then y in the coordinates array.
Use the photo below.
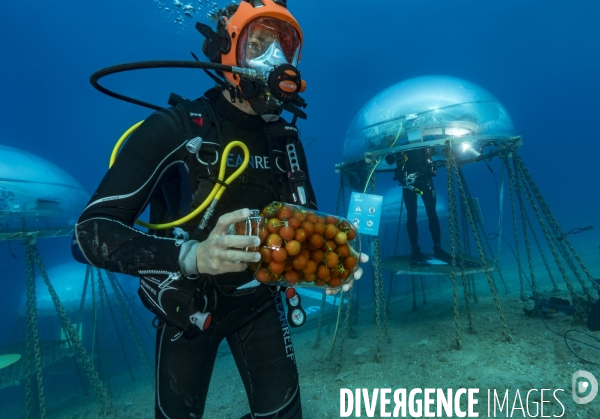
{"type": "Point", "coordinates": [259, 41]}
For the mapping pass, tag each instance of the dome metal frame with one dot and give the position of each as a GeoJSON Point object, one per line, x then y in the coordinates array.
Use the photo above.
{"type": "Point", "coordinates": [496, 146]}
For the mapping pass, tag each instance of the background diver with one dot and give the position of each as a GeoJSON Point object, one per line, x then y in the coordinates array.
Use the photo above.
{"type": "Point", "coordinates": [152, 170]}
{"type": "Point", "coordinates": [414, 171]}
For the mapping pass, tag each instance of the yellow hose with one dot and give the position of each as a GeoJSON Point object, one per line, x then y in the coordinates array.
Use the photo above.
{"type": "Point", "coordinates": [216, 192]}
{"type": "Point", "coordinates": [381, 158]}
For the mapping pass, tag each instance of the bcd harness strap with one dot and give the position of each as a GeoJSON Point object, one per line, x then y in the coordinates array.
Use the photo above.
{"type": "Point", "coordinates": [295, 176]}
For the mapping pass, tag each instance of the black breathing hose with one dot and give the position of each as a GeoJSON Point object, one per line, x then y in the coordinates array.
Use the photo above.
{"type": "Point", "coordinates": [94, 78]}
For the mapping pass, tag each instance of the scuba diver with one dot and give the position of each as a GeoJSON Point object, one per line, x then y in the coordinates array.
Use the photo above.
{"type": "Point", "coordinates": [414, 171]}
{"type": "Point", "coordinates": [198, 283]}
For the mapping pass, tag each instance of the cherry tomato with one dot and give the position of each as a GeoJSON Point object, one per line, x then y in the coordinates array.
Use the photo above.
{"type": "Point", "coordinates": [294, 222]}
{"type": "Point", "coordinates": [279, 254]}
{"type": "Point", "coordinates": [284, 213]}
{"type": "Point", "coordinates": [274, 225]}
{"type": "Point", "coordinates": [311, 268]}
{"type": "Point", "coordinates": [323, 272]}
{"type": "Point", "coordinates": [343, 250]}
{"type": "Point", "coordinates": [319, 228]}
{"type": "Point", "coordinates": [330, 219]}
{"type": "Point", "coordinates": [299, 262]}
{"type": "Point", "coordinates": [299, 215]}
{"type": "Point", "coordinates": [340, 237]}
{"type": "Point", "coordinates": [351, 234]}
{"type": "Point", "coordinates": [331, 259]}
{"type": "Point", "coordinates": [349, 262]}
{"type": "Point", "coordinates": [312, 217]}
{"type": "Point", "coordinates": [334, 282]}
{"type": "Point", "coordinates": [292, 277]}
{"type": "Point", "coordinates": [263, 276]}
{"type": "Point", "coordinates": [309, 277]}
{"type": "Point", "coordinates": [293, 247]}
{"type": "Point", "coordinates": [315, 241]}
{"type": "Point", "coordinates": [276, 267]}
{"type": "Point", "coordinates": [308, 227]}
{"type": "Point", "coordinates": [330, 231]}
{"type": "Point", "coordinates": [317, 255]}
{"type": "Point", "coordinates": [273, 241]}
{"type": "Point", "coordinates": [300, 235]}
{"type": "Point", "coordinates": [265, 254]}
{"type": "Point", "coordinates": [286, 233]}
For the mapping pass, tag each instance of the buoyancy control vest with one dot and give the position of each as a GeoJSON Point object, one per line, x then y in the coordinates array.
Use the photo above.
{"type": "Point", "coordinates": [270, 176]}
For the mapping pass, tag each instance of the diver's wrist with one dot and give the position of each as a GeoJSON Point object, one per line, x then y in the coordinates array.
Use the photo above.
{"type": "Point", "coordinates": [188, 258]}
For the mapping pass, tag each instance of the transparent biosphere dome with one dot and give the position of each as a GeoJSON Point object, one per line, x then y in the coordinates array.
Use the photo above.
{"type": "Point", "coordinates": [36, 194]}
{"type": "Point", "coordinates": [424, 110]}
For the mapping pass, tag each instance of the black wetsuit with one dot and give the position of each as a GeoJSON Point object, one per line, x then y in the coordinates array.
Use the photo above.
{"type": "Point", "coordinates": [254, 324]}
{"type": "Point", "coordinates": [414, 171]}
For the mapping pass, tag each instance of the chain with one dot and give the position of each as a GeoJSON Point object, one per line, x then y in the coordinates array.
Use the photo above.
{"type": "Point", "coordinates": [505, 330]}
{"type": "Point", "coordinates": [103, 397]}
{"type": "Point", "coordinates": [462, 270]}
{"type": "Point", "coordinates": [481, 230]}
{"type": "Point", "coordinates": [320, 323]}
{"type": "Point", "coordinates": [511, 187]}
{"type": "Point", "coordinates": [104, 295]}
{"type": "Point", "coordinates": [346, 324]}
{"type": "Point", "coordinates": [33, 338]}
{"type": "Point", "coordinates": [539, 247]}
{"type": "Point", "coordinates": [324, 296]}
{"type": "Point", "coordinates": [147, 364]}
{"type": "Point", "coordinates": [378, 272]}
{"type": "Point", "coordinates": [393, 285]}
{"type": "Point", "coordinates": [556, 227]}
{"type": "Point", "coordinates": [524, 218]}
{"type": "Point", "coordinates": [30, 313]}
{"type": "Point", "coordinates": [548, 237]}
{"type": "Point", "coordinates": [453, 220]}
{"type": "Point", "coordinates": [377, 311]}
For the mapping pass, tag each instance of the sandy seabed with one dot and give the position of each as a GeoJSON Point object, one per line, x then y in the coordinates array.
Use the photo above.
{"type": "Point", "coordinates": [420, 355]}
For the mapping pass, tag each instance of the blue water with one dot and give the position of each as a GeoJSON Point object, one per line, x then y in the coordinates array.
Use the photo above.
{"type": "Point", "coordinates": [540, 59]}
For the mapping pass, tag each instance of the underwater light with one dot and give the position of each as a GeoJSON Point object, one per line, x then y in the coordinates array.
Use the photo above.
{"type": "Point", "coordinates": [468, 149]}
{"type": "Point", "coordinates": [457, 131]}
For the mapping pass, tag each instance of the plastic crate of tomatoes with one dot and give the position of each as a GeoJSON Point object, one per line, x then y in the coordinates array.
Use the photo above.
{"type": "Point", "coordinates": [302, 247]}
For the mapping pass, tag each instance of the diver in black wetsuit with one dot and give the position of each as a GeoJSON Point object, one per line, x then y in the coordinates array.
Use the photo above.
{"type": "Point", "coordinates": [146, 173]}
{"type": "Point", "coordinates": [414, 171]}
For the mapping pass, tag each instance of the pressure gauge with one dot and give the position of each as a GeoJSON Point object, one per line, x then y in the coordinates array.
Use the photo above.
{"type": "Point", "coordinates": [296, 315]}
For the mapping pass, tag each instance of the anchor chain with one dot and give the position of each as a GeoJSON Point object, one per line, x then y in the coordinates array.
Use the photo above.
{"type": "Point", "coordinates": [33, 339]}
{"type": "Point", "coordinates": [453, 220]}
{"type": "Point", "coordinates": [99, 389]}
{"type": "Point", "coordinates": [505, 330]}
{"type": "Point", "coordinates": [106, 362]}
{"type": "Point", "coordinates": [511, 187]}
{"type": "Point", "coordinates": [559, 233]}
{"type": "Point", "coordinates": [136, 338]}
{"type": "Point", "coordinates": [548, 237]}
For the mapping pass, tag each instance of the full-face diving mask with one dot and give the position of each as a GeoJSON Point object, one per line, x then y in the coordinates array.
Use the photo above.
{"type": "Point", "coordinates": [271, 47]}
{"type": "Point", "coordinates": [266, 43]}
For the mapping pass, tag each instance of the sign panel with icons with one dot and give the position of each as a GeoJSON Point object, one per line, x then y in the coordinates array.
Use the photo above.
{"type": "Point", "coordinates": [365, 212]}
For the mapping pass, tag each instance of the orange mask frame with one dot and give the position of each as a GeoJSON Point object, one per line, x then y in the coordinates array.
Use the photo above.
{"type": "Point", "coordinates": [246, 13]}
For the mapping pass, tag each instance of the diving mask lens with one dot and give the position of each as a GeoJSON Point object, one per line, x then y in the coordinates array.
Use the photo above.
{"type": "Point", "coordinates": [266, 43]}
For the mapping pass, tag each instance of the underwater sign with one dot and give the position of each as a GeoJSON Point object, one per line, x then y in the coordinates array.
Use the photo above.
{"type": "Point", "coordinates": [365, 212]}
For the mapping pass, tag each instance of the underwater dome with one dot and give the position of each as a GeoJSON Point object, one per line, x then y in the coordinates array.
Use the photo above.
{"type": "Point", "coordinates": [427, 110]}
{"type": "Point", "coordinates": [36, 194]}
{"type": "Point", "coordinates": [68, 280]}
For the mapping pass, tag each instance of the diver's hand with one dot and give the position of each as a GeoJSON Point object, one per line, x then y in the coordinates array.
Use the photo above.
{"type": "Point", "coordinates": [346, 287]}
{"type": "Point", "coordinates": [215, 254]}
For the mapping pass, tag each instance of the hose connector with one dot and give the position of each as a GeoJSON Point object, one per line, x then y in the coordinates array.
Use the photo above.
{"type": "Point", "coordinates": [208, 213]}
